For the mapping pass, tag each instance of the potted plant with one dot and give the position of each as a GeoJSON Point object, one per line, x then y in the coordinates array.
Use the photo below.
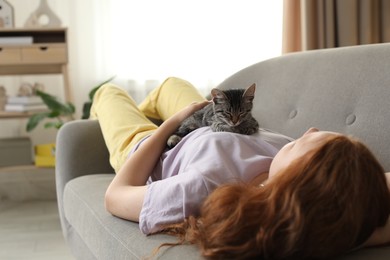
{"type": "Point", "coordinates": [59, 113]}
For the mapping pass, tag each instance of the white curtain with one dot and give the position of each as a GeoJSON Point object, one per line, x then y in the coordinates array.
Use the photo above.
{"type": "Point", "coordinates": [202, 41]}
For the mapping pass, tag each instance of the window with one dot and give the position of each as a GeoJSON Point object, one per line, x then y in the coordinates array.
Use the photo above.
{"type": "Point", "coordinates": [202, 41]}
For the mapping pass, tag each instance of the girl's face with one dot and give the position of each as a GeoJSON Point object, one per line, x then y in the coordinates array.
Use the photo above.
{"type": "Point", "coordinates": [303, 146]}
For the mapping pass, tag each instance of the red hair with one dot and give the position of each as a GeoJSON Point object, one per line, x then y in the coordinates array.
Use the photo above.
{"type": "Point", "coordinates": [320, 206]}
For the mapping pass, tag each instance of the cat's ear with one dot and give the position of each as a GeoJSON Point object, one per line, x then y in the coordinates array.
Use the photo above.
{"type": "Point", "coordinates": [249, 93]}
{"type": "Point", "coordinates": [216, 92]}
{"type": "Point", "coordinates": [217, 95]}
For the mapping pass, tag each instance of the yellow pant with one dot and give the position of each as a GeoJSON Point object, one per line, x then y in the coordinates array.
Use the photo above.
{"type": "Point", "coordinates": [123, 124]}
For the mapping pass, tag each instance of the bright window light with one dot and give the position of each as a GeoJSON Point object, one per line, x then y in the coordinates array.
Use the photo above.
{"type": "Point", "coordinates": [202, 41]}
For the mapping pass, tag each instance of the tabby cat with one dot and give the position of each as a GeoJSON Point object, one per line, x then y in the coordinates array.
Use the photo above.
{"type": "Point", "coordinates": [229, 112]}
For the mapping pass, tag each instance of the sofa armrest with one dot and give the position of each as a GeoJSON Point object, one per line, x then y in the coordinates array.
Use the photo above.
{"type": "Point", "coordinates": [80, 150]}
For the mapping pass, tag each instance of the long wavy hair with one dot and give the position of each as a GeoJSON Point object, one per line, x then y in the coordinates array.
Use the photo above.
{"type": "Point", "coordinates": [319, 207]}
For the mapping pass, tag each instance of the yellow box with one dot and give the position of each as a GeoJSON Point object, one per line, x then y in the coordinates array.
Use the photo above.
{"type": "Point", "coordinates": [45, 155]}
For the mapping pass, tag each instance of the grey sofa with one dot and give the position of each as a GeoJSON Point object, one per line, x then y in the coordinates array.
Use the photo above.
{"type": "Point", "coordinates": [345, 90]}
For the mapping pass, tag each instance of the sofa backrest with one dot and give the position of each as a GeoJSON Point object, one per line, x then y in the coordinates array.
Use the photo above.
{"type": "Point", "coordinates": [346, 90]}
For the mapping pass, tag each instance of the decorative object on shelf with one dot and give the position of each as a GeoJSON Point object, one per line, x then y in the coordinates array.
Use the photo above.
{"type": "Point", "coordinates": [25, 90]}
{"type": "Point", "coordinates": [3, 97]}
{"type": "Point", "coordinates": [59, 112]}
{"type": "Point", "coordinates": [6, 14]}
{"type": "Point", "coordinates": [43, 16]}
{"type": "Point", "coordinates": [37, 87]}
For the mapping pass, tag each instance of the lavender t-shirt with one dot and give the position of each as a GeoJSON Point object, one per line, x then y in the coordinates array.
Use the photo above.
{"type": "Point", "coordinates": [201, 162]}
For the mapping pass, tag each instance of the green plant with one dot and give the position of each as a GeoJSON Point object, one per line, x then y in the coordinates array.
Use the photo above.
{"type": "Point", "coordinates": [87, 105]}
{"type": "Point", "coordinates": [59, 112]}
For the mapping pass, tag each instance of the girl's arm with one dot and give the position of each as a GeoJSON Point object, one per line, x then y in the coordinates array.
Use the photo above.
{"type": "Point", "coordinates": [125, 194]}
{"type": "Point", "coordinates": [381, 236]}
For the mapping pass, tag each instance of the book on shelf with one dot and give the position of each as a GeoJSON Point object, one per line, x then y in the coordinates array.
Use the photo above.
{"type": "Point", "coordinates": [28, 100]}
{"type": "Point", "coordinates": [18, 40]}
{"type": "Point", "coordinates": [25, 107]}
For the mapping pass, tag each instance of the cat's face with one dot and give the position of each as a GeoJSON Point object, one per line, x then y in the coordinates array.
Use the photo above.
{"type": "Point", "coordinates": [233, 106]}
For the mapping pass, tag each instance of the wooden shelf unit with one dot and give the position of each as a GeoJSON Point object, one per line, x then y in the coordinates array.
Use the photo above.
{"type": "Point", "coordinates": [48, 54]}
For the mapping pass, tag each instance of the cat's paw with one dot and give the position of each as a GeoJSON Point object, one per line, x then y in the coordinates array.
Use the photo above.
{"type": "Point", "coordinates": [173, 140]}
{"type": "Point", "coordinates": [252, 131]}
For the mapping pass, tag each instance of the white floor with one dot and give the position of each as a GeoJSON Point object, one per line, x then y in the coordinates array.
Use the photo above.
{"type": "Point", "coordinates": [29, 223]}
{"type": "Point", "coordinates": [31, 230]}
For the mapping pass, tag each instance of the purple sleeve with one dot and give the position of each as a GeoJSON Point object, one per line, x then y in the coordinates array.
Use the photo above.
{"type": "Point", "coordinates": [171, 200]}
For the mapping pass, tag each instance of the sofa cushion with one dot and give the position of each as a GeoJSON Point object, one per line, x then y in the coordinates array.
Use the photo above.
{"type": "Point", "coordinates": [85, 212]}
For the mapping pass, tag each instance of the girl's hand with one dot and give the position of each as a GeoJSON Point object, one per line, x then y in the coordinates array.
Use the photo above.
{"type": "Point", "coordinates": [125, 195]}
{"type": "Point", "coordinates": [177, 118]}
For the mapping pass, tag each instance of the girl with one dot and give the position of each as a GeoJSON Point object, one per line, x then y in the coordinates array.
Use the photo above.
{"type": "Point", "coordinates": [238, 196]}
